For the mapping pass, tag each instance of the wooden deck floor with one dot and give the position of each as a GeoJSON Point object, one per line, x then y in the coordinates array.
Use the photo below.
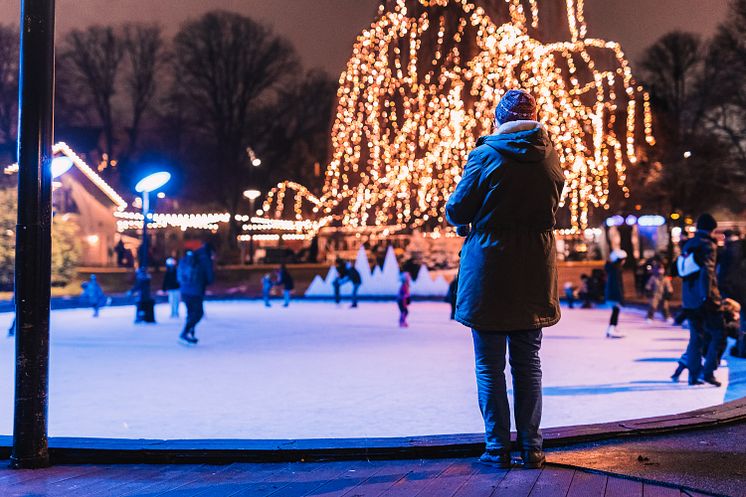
{"type": "Point", "coordinates": [427, 478]}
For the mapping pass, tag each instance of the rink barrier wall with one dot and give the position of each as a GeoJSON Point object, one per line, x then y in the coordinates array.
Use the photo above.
{"type": "Point", "coordinates": [222, 451]}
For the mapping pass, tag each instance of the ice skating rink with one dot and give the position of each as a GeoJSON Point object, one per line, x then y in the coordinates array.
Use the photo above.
{"type": "Point", "coordinates": [316, 370]}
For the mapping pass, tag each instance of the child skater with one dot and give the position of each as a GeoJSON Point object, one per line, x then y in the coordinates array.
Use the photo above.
{"type": "Point", "coordinates": [267, 284]}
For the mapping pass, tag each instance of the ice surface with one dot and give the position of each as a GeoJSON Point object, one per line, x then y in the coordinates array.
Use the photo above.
{"type": "Point", "coordinates": [318, 370]}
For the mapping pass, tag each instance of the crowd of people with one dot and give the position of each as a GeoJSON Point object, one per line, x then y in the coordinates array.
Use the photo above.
{"type": "Point", "coordinates": [713, 294]}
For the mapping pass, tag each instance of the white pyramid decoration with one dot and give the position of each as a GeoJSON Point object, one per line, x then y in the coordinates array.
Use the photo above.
{"type": "Point", "coordinates": [381, 282]}
{"type": "Point", "coordinates": [325, 287]}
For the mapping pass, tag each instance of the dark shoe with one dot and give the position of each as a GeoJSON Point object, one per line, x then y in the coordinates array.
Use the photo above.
{"type": "Point", "coordinates": [712, 380]}
{"type": "Point", "coordinates": [500, 459]}
{"type": "Point", "coordinates": [533, 459]}
{"type": "Point", "coordinates": [695, 382]}
{"type": "Point", "coordinates": [680, 369]}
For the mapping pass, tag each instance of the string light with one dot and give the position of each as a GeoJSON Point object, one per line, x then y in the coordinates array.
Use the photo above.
{"type": "Point", "coordinates": [420, 88]}
{"type": "Point", "coordinates": [64, 149]}
{"type": "Point", "coordinates": [134, 221]}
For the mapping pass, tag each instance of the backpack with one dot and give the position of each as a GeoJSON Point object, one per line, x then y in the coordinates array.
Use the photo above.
{"type": "Point", "coordinates": [686, 265]}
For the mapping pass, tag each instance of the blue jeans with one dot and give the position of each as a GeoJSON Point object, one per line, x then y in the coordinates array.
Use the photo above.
{"type": "Point", "coordinates": [525, 366]}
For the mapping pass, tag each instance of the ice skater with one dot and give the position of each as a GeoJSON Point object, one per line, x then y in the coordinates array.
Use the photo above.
{"type": "Point", "coordinates": [285, 280]}
{"type": "Point", "coordinates": [615, 290]}
{"type": "Point", "coordinates": [570, 293]}
{"type": "Point", "coordinates": [403, 299]}
{"type": "Point", "coordinates": [267, 285]}
{"type": "Point", "coordinates": [195, 273]}
{"type": "Point", "coordinates": [144, 305]}
{"type": "Point", "coordinates": [509, 194]}
{"type": "Point", "coordinates": [703, 302]}
{"type": "Point", "coordinates": [93, 294]}
{"type": "Point", "coordinates": [171, 286]}
{"type": "Point", "coordinates": [660, 289]}
{"type": "Point", "coordinates": [346, 274]}
{"type": "Point", "coordinates": [451, 296]}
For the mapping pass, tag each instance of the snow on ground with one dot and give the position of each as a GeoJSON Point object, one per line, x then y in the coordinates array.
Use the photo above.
{"type": "Point", "coordinates": [318, 370]}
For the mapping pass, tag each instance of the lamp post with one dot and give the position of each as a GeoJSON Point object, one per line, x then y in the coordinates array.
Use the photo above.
{"type": "Point", "coordinates": [33, 265]}
{"type": "Point", "coordinates": [146, 186]}
{"type": "Point", "coordinates": [252, 195]}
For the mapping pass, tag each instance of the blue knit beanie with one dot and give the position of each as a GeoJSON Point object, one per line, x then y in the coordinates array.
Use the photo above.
{"type": "Point", "coordinates": [516, 105]}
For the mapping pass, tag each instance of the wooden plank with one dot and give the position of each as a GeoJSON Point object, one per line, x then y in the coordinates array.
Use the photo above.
{"type": "Point", "coordinates": [552, 482]}
{"type": "Point", "coordinates": [518, 482]}
{"type": "Point", "coordinates": [208, 478]}
{"type": "Point", "coordinates": [482, 482]}
{"type": "Point", "coordinates": [620, 487]}
{"type": "Point", "coordinates": [15, 476]}
{"type": "Point", "coordinates": [355, 475]}
{"type": "Point", "coordinates": [587, 485]}
{"type": "Point", "coordinates": [450, 480]}
{"type": "Point", "coordinates": [91, 483]}
{"type": "Point", "coordinates": [237, 477]}
{"type": "Point", "coordinates": [385, 477]}
{"type": "Point", "coordinates": [32, 482]}
{"type": "Point", "coordinates": [133, 477]}
{"type": "Point", "coordinates": [418, 478]}
{"type": "Point", "coordinates": [657, 491]}
{"type": "Point", "coordinates": [308, 481]}
{"type": "Point", "coordinates": [288, 473]}
{"type": "Point", "coordinates": [159, 478]}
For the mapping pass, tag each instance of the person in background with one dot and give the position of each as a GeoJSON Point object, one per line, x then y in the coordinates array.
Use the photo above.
{"type": "Point", "coordinates": [94, 294]}
{"type": "Point", "coordinates": [570, 294]}
{"type": "Point", "coordinates": [451, 296]}
{"type": "Point", "coordinates": [732, 271]}
{"type": "Point", "coordinates": [288, 285]}
{"type": "Point", "coordinates": [12, 327]}
{"type": "Point", "coordinates": [660, 290]}
{"type": "Point", "coordinates": [403, 299]}
{"type": "Point", "coordinates": [506, 203]}
{"type": "Point", "coordinates": [614, 290]}
{"type": "Point", "coordinates": [703, 304]}
{"type": "Point", "coordinates": [346, 274]}
{"type": "Point", "coordinates": [141, 289]}
{"type": "Point", "coordinates": [267, 284]}
{"type": "Point", "coordinates": [195, 273]}
{"type": "Point", "coordinates": [171, 286]}
{"type": "Point", "coordinates": [584, 292]}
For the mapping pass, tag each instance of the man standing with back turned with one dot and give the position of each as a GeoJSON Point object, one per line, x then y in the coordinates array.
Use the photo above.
{"type": "Point", "coordinates": [507, 290]}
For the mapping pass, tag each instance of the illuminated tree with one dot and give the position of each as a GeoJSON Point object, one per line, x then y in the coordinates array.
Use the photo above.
{"type": "Point", "coordinates": [420, 89]}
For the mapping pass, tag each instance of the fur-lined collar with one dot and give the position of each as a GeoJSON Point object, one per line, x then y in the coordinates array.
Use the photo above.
{"type": "Point", "coordinates": [517, 126]}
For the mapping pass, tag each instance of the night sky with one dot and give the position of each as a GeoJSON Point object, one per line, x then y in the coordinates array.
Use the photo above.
{"type": "Point", "coordinates": [323, 30]}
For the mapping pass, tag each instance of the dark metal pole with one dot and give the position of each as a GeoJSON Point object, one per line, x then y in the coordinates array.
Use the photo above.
{"type": "Point", "coordinates": [144, 246]}
{"type": "Point", "coordinates": [33, 234]}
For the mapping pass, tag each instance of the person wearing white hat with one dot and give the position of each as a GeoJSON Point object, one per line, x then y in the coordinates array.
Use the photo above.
{"type": "Point", "coordinates": [614, 290]}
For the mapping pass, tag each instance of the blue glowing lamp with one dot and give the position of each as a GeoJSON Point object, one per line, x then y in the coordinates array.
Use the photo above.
{"type": "Point", "coordinates": [152, 182]}
{"type": "Point", "coordinates": [61, 165]}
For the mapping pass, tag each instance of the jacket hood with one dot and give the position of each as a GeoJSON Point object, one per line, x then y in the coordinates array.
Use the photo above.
{"type": "Point", "coordinates": [522, 141]}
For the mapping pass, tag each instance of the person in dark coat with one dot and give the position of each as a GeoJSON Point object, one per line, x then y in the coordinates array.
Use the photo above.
{"type": "Point", "coordinates": [171, 286]}
{"type": "Point", "coordinates": [703, 304]}
{"type": "Point", "coordinates": [288, 284]}
{"type": "Point", "coordinates": [452, 295]}
{"type": "Point", "coordinates": [195, 273]}
{"type": "Point", "coordinates": [732, 271]}
{"type": "Point", "coordinates": [614, 290]}
{"type": "Point", "coordinates": [346, 273]}
{"type": "Point", "coordinates": [94, 294]}
{"type": "Point", "coordinates": [404, 299]}
{"type": "Point", "coordinates": [509, 194]}
{"type": "Point", "coordinates": [144, 305]}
